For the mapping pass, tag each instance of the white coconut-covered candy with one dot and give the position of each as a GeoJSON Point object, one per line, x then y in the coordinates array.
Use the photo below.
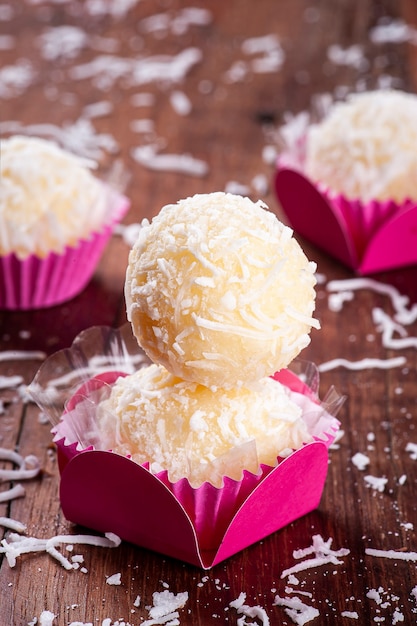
{"type": "Point", "coordinates": [365, 147]}
{"type": "Point", "coordinates": [219, 292]}
{"type": "Point", "coordinates": [199, 433]}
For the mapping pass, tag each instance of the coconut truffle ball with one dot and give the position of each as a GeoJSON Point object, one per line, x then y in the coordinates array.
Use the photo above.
{"type": "Point", "coordinates": [49, 199]}
{"type": "Point", "coordinates": [218, 291]}
{"type": "Point", "coordinates": [365, 148]}
{"type": "Point", "coordinates": [189, 429]}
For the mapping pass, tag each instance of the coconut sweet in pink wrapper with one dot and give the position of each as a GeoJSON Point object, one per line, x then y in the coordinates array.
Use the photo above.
{"type": "Point", "coordinates": [55, 219]}
{"type": "Point", "coordinates": [218, 458]}
{"type": "Point", "coordinates": [352, 176]}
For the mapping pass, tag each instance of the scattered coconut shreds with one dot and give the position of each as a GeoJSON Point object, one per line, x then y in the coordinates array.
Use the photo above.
{"type": "Point", "coordinates": [98, 109]}
{"type": "Point", "coordinates": [376, 483]}
{"type": "Point", "coordinates": [384, 600]}
{"type": "Point", "coordinates": [323, 554]}
{"type": "Point", "coordinates": [387, 327]}
{"type": "Point", "coordinates": [297, 610]}
{"type": "Point", "coordinates": [16, 545]}
{"type": "Point", "coordinates": [18, 491]}
{"type": "Point", "coordinates": [12, 524]}
{"type": "Point", "coordinates": [180, 102]}
{"type": "Point", "coordinates": [393, 31]}
{"type": "Point", "coordinates": [15, 79]}
{"type": "Point", "coordinates": [148, 156]}
{"type": "Point", "coordinates": [350, 614]}
{"type": "Point", "coordinates": [178, 23]}
{"type": "Point", "coordinates": [337, 300]}
{"type": "Point", "coordinates": [106, 69]}
{"type": "Point", "coordinates": [79, 137]}
{"type": "Point", "coordinates": [392, 554]}
{"type": "Point", "coordinates": [352, 56]}
{"type": "Point", "coordinates": [403, 316]}
{"type": "Point", "coordinates": [46, 618]}
{"type": "Point", "coordinates": [22, 355]}
{"type": "Point", "coordinates": [115, 579]}
{"type": "Point", "coordinates": [9, 382]}
{"type": "Point", "coordinates": [363, 364]}
{"type": "Point", "coordinates": [254, 612]}
{"type": "Point", "coordinates": [360, 460]}
{"type": "Point", "coordinates": [128, 232]}
{"type": "Point", "coordinates": [165, 607]}
{"type": "Point", "coordinates": [412, 449]}
{"type": "Point", "coordinates": [238, 188]}
{"type": "Point", "coordinates": [28, 467]}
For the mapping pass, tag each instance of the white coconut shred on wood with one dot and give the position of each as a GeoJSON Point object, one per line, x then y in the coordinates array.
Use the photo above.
{"type": "Point", "coordinates": [249, 611]}
{"type": "Point", "coordinates": [79, 137]}
{"type": "Point", "coordinates": [22, 355]}
{"type": "Point", "coordinates": [323, 554]}
{"type": "Point", "coordinates": [366, 363]}
{"type": "Point", "coordinates": [27, 467]}
{"type": "Point", "coordinates": [16, 545]}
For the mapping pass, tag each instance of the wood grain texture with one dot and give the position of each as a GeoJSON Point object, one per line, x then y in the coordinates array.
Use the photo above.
{"type": "Point", "coordinates": [234, 117]}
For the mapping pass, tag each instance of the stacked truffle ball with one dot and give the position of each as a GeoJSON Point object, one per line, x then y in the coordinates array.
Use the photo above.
{"type": "Point", "coordinates": [220, 297]}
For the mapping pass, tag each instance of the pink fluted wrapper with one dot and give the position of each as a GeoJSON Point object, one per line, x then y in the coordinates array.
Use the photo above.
{"type": "Point", "coordinates": [368, 237]}
{"type": "Point", "coordinates": [36, 282]}
{"type": "Point", "coordinates": [203, 526]}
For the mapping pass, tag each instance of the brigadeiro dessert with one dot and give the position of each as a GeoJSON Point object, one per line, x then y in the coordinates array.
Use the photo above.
{"type": "Point", "coordinates": [55, 219]}
{"type": "Point", "coordinates": [221, 298]}
{"type": "Point", "coordinates": [360, 158]}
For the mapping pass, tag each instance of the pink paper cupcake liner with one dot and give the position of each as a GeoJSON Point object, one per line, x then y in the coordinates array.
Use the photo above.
{"type": "Point", "coordinates": [44, 282]}
{"type": "Point", "coordinates": [111, 493]}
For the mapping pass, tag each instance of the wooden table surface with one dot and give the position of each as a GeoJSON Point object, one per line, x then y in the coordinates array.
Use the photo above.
{"type": "Point", "coordinates": [231, 72]}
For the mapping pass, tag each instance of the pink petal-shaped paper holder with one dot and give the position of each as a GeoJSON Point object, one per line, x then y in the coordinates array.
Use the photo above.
{"type": "Point", "coordinates": [110, 492]}
{"type": "Point", "coordinates": [44, 282]}
{"type": "Point", "coordinates": [320, 219]}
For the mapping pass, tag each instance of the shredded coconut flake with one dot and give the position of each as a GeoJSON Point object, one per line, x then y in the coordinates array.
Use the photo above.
{"type": "Point", "coordinates": [376, 483]}
{"type": "Point", "coordinates": [411, 448]}
{"type": "Point", "coordinates": [12, 524]}
{"type": "Point", "coordinates": [28, 467]}
{"type": "Point", "coordinates": [350, 614]}
{"type": "Point", "coordinates": [9, 382]}
{"type": "Point", "coordinates": [148, 156]}
{"type": "Point", "coordinates": [254, 612]}
{"type": "Point", "coordinates": [16, 545]}
{"type": "Point", "coordinates": [362, 364]}
{"type": "Point", "coordinates": [115, 579]}
{"type": "Point", "coordinates": [298, 611]}
{"type": "Point", "coordinates": [361, 461]}
{"type": "Point", "coordinates": [46, 618]}
{"type": "Point", "coordinates": [18, 491]}
{"type": "Point", "coordinates": [392, 554]}
{"type": "Point", "coordinates": [165, 607]}
{"type": "Point", "coordinates": [22, 355]}
{"type": "Point", "coordinates": [393, 31]}
{"type": "Point", "coordinates": [323, 555]}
